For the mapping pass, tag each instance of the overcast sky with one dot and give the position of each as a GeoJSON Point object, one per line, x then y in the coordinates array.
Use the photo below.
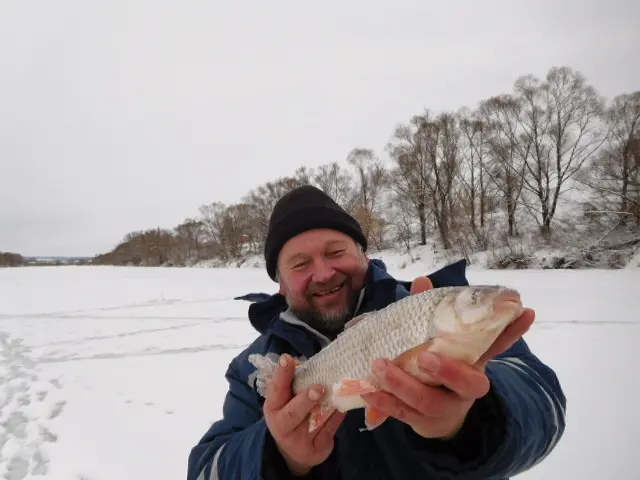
{"type": "Point", "coordinates": [123, 115]}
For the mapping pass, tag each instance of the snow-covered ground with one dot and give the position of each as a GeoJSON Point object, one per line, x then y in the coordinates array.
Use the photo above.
{"type": "Point", "coordinates": [114, 373]}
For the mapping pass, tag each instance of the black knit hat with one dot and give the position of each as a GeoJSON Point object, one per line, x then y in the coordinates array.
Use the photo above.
{"type": "Point", "coordinates": [305, 208]}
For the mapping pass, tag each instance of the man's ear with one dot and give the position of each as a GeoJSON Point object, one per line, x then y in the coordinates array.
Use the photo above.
{"type": "Point", "coordinates": [279, 280]}
{"type": "Point", "coordinates": [362, 251]}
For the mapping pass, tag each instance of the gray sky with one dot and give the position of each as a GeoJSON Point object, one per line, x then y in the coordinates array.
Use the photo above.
{"type": "Point", "coordinates": [123, 115]}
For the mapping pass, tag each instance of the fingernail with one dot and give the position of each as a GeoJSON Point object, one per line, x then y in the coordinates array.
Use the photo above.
{"type": "Point", "coordinates": [283, 360]}
{"type": "Point", "coordinates": [314, 394]}
{"type": "Point", "coordinates": [379, 367]}
{"type": "Point", "coordinates": [430, 362]}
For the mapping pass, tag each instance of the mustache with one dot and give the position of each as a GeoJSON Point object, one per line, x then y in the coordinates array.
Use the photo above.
{"type": "Point", "coordinates": [321, 287]}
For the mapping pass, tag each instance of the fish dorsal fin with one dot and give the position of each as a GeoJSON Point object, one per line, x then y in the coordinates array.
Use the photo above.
{"type": "Point", "coordinates": [357, 320]}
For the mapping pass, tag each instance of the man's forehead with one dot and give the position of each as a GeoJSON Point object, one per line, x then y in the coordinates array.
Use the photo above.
{"type": "Point", "coordinates": [308, 242]}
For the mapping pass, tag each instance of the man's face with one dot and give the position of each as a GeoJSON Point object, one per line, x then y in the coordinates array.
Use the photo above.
{"type": "Point", "coordinates": [321, 274]}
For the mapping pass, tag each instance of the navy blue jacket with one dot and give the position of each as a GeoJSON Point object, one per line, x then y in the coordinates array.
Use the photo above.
{"type": "Point", "coordinates": [511, 429]}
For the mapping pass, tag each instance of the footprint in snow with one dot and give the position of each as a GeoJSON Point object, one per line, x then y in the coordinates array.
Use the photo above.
{"type": "Point", "coordinates": [56, 409]}
{"type": "Point", "coordinates": [26, 407]}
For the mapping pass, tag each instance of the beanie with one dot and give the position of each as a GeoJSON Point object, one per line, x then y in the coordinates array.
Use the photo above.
{"type": "Point", "coordinates": [302, 209]}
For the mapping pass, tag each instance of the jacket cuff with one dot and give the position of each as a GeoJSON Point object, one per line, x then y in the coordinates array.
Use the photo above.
{"type": "Point", "coordinates": [274, 466]}
{"type": "Point", "coordinates": [480, 437]}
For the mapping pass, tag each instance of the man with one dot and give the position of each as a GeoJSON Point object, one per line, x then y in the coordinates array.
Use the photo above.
{"type": "Point", "coordinates": [493, 420]}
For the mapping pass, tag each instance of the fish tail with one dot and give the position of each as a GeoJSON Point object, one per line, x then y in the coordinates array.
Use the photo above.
{"type": "Point", "coordinates": [265, 368]}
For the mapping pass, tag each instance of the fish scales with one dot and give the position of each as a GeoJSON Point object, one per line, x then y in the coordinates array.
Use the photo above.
{"type": "Point", "coordinates": [382, 334]}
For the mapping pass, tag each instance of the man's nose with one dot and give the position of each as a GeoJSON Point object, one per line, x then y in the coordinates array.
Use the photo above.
{"type": "Point", "coordinates": [322, 272]}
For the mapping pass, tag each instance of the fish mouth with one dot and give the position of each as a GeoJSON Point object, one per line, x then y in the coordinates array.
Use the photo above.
{"type": "Point", "coordinates": [508, 299]}
{"type": "Point", "coordinates": [330, 291]}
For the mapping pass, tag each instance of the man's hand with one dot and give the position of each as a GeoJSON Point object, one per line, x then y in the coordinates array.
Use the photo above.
{"type": "Point", "coordinates": [287, 419]}
{"type": "Point", "coordinates": [436, 412]}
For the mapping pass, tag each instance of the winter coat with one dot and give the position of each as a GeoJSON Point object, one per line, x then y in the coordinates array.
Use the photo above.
{"type": "Point", "coordinates": [511, 429]}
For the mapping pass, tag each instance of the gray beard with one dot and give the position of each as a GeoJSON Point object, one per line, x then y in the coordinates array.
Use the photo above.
{"type": "Point", "coordinates": [329, 324]}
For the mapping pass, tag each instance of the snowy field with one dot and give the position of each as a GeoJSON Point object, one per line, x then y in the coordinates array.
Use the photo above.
{"type": "Point", "coordinates": [114, 373]}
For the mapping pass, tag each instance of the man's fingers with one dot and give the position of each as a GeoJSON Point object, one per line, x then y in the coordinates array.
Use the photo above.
{"type": "Point", "coordinates": [428, 400]}
{"type": "Point", "coordinates": [467, 382]}
{"type": "Point", "coordinates": [391, 405]}
{"type": "Point", "coordinates": [279, 390]}
{"type": "Point", "coordinates": [511, 335]}
{"type": "Point", "coordinates": [327, 432]}
{"type": "Point", "coordinates": [420, 284]}
{"type": "Point", "coordinates": [334, 422]}
{"type": "Point", "coordinates": [294, 413]}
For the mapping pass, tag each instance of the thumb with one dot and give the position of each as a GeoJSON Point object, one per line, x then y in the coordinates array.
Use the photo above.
{"type": "Point", "coordinates": [508, 337]}
{"type": "Point", "coordinates": [420, 284]}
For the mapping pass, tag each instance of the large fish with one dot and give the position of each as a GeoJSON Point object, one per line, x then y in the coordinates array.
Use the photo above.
{"type": "Point", "coordinates": [459, 322]}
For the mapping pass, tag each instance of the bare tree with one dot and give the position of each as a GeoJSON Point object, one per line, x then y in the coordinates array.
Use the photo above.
{"type": "Point", "coordinates": [445, 163]}
{"type": "Point", "coordinates": [366, 203]}
{"type": "Point", "coordinates": [188, 241]}
{"type": "Point", "coordinates": [614, 175]}
{"type": "Point", "coordinates": [237, 232]}
{"type": "Point", "coordinates": [335, 181]}
{"type": "Point", "coordinates": [152, 247]}
{"type": "Point", "coordinates": [228, 227]}
{"type": "Point", "coordinates": [409, 179]}
{"type": "Point", "coordinates": [427, 165]}
{"type": "Point", "coordinates": [262, 200]}
{"type": "Point", "coordinates": [562, 121]}
{"type": "Point", "coordinates": [211, 220]}
{"type": "Point", "coordinates": [304, 175]}
{"type": "Point", "coordinates": [473, 175]}
{"type": "Point", "coordinates": [508, 148]}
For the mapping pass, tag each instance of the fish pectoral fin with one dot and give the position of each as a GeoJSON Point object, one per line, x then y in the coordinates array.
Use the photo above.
{"type": "Point", "coordinates": [319, 416]}
{"type": "Point", "coordinates": [408, 361]}
{"type": "Point", "coordinates": [373, 417]}
{"type": "Point", "coordinates": [353, 387]}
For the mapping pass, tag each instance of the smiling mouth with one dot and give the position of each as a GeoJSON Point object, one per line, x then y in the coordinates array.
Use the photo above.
{"type": "Point", "coordinates": [324, 293]}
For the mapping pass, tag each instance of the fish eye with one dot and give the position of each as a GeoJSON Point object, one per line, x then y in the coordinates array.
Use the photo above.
{"type": "Point", "coordinates": [468, 306]}
{"type": "Point", "coordinates": [474, 296]}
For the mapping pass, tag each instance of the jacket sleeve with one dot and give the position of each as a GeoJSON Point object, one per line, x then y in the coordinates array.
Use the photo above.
{"type": "Point", "coordinates": [511, 429]}
{"type": "Point", "coordinates": [239, 445]}
{"type": "Point", "coordinates": [232, 447]}
{"type": "Point", "coordinates": [534, 405]}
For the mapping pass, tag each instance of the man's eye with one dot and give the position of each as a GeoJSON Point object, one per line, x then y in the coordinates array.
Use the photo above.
{"type": "Point", "coordinates": [298, 266]}
{"type": "Point", "coordinates": [336, 252]}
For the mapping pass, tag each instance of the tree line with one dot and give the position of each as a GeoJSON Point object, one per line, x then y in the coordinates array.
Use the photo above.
{"type": "Point", "coordinates": [470, 180]}
{"type": "Point", "coordinates": [10, 259]}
